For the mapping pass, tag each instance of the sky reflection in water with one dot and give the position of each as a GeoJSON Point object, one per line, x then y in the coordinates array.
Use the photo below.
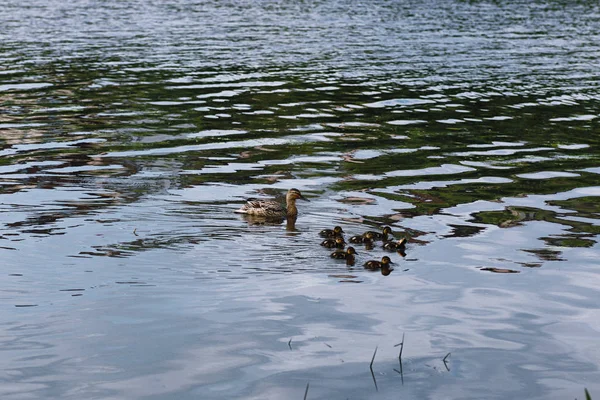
{"type": "Point", "coordinates": [131, 131]}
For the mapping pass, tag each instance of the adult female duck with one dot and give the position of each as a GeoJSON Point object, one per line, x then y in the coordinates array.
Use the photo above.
{"type": "Point", "coordinates": [273, 208]}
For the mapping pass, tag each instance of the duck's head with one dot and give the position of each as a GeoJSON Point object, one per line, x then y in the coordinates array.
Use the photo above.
{"type": "Point", "coordinates": [386, 260]}
{"type": "Point", "coordinates": [294, 194]}
{"type": "Point", "coordinates": [337, 230]}
{"type": "Point", "coordinates": [387, 230]}
{"type": "Point", "coordinates": [350, 250]}
{"type": "Point", "coordinates": [340, 241]}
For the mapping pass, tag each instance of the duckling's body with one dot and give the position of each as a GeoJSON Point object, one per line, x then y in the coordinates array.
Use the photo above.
{"type": "Point", "coordinates": [338, 242]}
{"type": "Point", "coordinates": [375, 265]}
{"type": "Point", "coordinates": [348, 255]}
{"type": "Point", "coordinates": [273, 208]}
{"type": "Point", "coordinates": [331, 233]}
{"type": "Point", "coordinates": [395, 246]}
{"type": "Point", "coordinates": [383, 235]}
{"type": "Point", "coordinates": [357, 239]}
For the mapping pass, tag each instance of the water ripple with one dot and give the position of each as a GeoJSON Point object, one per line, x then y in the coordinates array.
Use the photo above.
{"type": "Point", "coordinates": [130, 132]}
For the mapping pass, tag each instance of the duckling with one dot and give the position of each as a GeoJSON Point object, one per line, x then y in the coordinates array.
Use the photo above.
{"type": "Point", "coordinates": [330, 233]}
{"type": "Point", "coordinates": [273, 208]}
{"type": "Point", "coordinates": [338, 242]}
{"type": "Point", "coordinates": [386, 270]}
{"type": "Point", "coordinates": [381, 235]}
{"type": "Point", "coordinates": [395, 246]}
{"type": "Point", "coordinates": [357, 239]}
{"type": "Point", "coordinates": [368, 240]}
{"type": "Point", "coordinates": [348, 255]}
{"type": "Point", "coordinates": [374, 265]}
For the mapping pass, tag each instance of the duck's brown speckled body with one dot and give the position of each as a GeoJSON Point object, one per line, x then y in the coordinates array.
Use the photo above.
{"type": "Point", "coordinates": [273, 208]}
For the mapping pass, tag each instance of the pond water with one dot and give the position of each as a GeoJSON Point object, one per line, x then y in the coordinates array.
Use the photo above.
{"type": "Point", "coordinates": [131, 130]}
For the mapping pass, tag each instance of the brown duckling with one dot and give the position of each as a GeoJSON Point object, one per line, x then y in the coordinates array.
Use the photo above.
{"type": "Point", "coordinates": [395, 246]}
{"type": "Point", "coordinates": [383, 235]}
{"type": "Point", "coordinates": [375, 265]}
{"type": "Point", "coordinates": [331, 233]}
{"type": "Point", "coordinates": [348, 255]}
{"type": "Point", "coordinates": [368, 240]}
{"type": "Point", "coordinates": [358, 239]}
{"type": "Point", "coordinates": [338, 242]}
{"type": "Point", "coordinates": [364, 238]}
{"type": "Point", "coordinates": [386, 270]}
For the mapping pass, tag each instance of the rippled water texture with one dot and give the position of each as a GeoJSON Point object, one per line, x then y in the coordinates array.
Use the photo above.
{"type": "Point", "coordinates": [131, 130]}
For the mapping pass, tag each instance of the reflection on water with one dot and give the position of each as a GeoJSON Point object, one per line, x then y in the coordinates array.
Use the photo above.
{"type": "Point", "coordinates": [131, 131]}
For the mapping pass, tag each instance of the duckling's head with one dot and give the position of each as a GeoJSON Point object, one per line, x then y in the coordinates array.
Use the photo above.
{"type": "Point", "coordinates": [294, 194]}
{"type": "Point", "coordinates": [337, 230]}
{"type": "Point", "coordinates": [386, 260]}
{"type": "Point", "coordinates": [350, 250]}
{"type": "Point", "coordinates": [369, 235]}
{"type": "Point", "coordinates": [340, 241]}
{"type": "Point", "coordinates": [387, 230]}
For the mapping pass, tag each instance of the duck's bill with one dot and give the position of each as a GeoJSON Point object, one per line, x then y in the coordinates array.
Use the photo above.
{"type": "Point", "coordinates": [304, 198]}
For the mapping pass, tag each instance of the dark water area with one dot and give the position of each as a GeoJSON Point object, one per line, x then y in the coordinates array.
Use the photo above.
{"type": "Point", "coordinates": [131, 130]}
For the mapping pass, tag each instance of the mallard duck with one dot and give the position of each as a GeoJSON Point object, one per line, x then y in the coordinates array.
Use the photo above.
{"type": "Point", "coordinates": [338, 242]}
{"type": "Point", "coordinates": [357, 239]}
{"type": "Point", "coordinates": [368, 241]}
{"type": "Point", "coordinates": [330, 233]}
{"type": "Point", "coordinates": [366, 238]}
{"type": "Point", "coordinates": [386, 270]}
{"type": "Point", "coordinates": [273, 208]}
{"type": "Point", "coordinates": [373, 265]}
{"type": "Point", "coordinates": [348, 255]}
{"type": "Point", "coordinates": [395, 246]}
{"type": "Point", "coordinates": [383, 235]}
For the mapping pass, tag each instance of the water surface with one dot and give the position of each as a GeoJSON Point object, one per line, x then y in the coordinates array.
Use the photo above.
{"type": "Point", "coordinates": [130, 131]}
